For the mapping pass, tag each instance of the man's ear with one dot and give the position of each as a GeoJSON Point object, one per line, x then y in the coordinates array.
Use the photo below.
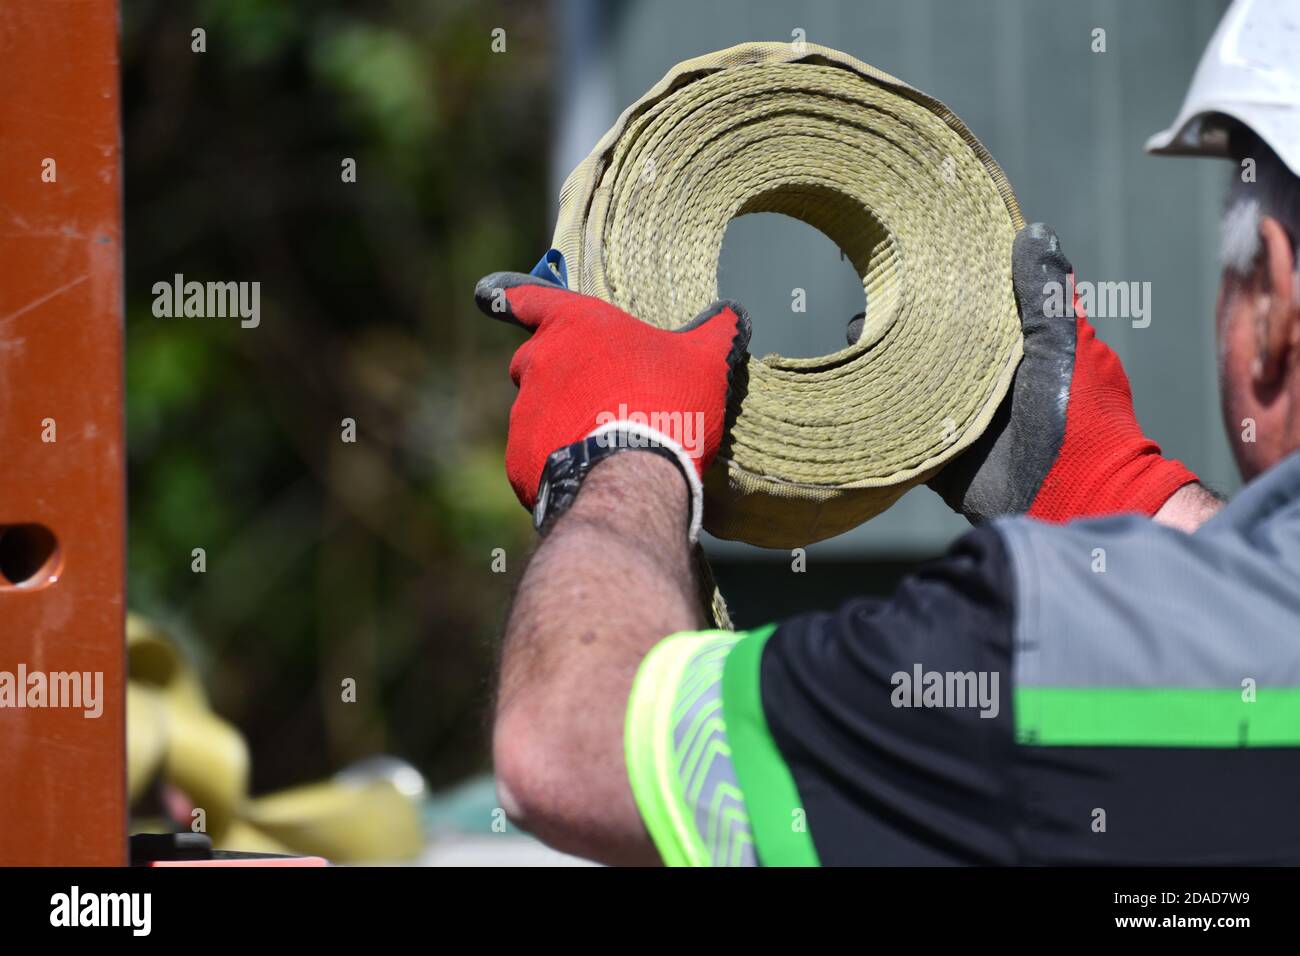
{"type": "Point", "coordinates": [1277, 319]}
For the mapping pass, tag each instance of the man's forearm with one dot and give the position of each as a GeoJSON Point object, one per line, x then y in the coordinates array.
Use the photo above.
{"type": "Point", "coordinates": [609, 581]}
{"type": "Point", "coordinates": [1188, 508]}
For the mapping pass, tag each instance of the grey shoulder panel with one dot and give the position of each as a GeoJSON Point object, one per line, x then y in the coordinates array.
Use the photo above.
{"type": "Point", "coordinates": [1124, 602]}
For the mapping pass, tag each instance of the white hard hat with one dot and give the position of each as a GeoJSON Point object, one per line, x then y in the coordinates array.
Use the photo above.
{"type": "Point", "coordinates": [1249, 73]}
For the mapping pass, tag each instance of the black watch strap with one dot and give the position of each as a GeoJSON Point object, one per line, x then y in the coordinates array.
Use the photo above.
{"type": "Point", "coordinates": [566, 468]}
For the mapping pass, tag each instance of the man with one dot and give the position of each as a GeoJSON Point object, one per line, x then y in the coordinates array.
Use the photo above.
{"type": "Point", "coordinates": [1060, 688]}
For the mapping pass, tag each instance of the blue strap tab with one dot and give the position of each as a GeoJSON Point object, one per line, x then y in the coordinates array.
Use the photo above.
{"type": "Point", "coordinates": [552, 268]}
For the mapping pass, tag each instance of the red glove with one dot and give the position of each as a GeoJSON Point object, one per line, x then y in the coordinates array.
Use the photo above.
{"type": "Point", "coordinates": [1066, 443]}
{"type": "Point", "coordinates": [1105, 465]}
{"type": "Point", "coordinates": [590, 369]}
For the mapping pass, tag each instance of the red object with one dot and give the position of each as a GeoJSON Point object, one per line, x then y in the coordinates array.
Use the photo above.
{"type": "Point", "coordinates": [1105, 465]}
{"type": "Point", "coordinates": [246, 862]}
{"type": "Point", "coordinates": [62, 537]}
{"type": "Point", "coordinates": [589, 364]}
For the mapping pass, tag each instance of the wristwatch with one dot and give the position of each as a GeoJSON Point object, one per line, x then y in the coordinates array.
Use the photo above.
{"type": "Point", "coordinates": [566, 469]}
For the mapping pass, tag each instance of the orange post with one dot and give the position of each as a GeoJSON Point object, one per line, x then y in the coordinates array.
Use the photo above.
{"type": "Point", "coordinates": [62, 456]}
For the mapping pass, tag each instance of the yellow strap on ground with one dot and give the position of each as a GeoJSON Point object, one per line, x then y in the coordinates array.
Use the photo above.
{"type": "Point", "coordinates": [897, 181]}
{"type": "Point", "coordinates": [172, 733]}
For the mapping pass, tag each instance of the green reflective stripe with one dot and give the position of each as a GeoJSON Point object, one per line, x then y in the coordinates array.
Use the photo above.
{"type": "Point", "coordinates": [1157, 717]}
{"type": "Point", "coordinates": [776, 813]}
{"type": "Point", "coordinates": [648, 751]}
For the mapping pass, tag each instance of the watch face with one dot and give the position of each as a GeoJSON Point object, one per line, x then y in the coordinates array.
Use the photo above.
{"type": "Point", "coordinates": [539, 509]}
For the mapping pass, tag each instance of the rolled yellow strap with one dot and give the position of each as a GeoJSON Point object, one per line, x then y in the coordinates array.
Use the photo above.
{"type": "Point", "coordinates": [171, 730]}
{"type": "Point", "coordinates": [172, 733]}
{"type": "Point", "coordinates": [916, 203]}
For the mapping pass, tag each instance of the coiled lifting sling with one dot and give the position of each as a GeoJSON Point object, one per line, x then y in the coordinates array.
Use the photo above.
{"type": "Point", "coordinates": [916, 203]}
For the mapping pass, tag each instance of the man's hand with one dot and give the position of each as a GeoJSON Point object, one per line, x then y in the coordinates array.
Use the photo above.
{"type": "Point", "coordinates": [590, 369]}
{"type": "Point", "coordinates": [1066, 443]}
{"type": "Point", "coordinates": [614, 574]}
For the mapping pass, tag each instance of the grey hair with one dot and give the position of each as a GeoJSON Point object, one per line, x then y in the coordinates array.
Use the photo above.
{"type": "Point", "coordinates": [1275, 192]}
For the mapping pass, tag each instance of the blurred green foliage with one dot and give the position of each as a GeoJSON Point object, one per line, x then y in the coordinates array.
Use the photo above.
{"type": "Point", "coordinates": [328, 560]}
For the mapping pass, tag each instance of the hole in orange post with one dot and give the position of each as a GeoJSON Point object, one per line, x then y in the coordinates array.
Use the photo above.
{"type": "Point", "coordinates": [29, 556]}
